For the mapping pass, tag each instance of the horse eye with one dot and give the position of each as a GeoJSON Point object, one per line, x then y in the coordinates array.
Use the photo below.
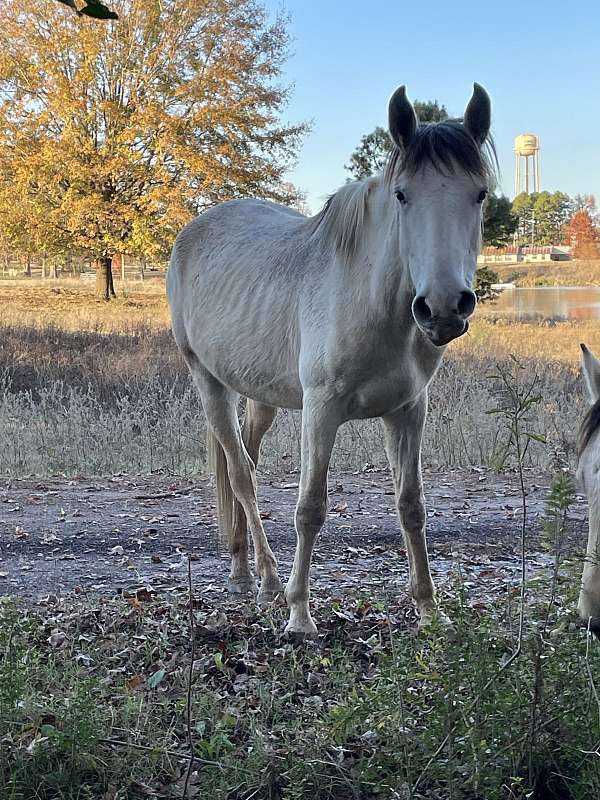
{"type": "Point", "coordinates": [482, 195]}
{"type": "Point", "coordinates": [401, 197]}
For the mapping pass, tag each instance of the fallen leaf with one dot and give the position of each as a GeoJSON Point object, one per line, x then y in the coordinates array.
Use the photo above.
{"type": "Point", "coordinates": [340, 508]}
{"type": "Point", "coordinates": [156, 678]}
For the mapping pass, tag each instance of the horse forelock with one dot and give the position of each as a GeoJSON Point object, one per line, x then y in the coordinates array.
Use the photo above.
{"type": "Point", "coordinates": [447, 147]}
{"type": "Point", "coordinates": [589, 426]}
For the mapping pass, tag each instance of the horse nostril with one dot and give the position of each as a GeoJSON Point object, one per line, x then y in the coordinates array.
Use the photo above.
{"type": "Point", "coordinates": [421, 310]}
{"type": "Point", "coordinates": [466, 304]}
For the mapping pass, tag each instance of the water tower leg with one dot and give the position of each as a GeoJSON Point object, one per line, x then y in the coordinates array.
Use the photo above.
{"type": "Point", "coordinates": [537, 171]}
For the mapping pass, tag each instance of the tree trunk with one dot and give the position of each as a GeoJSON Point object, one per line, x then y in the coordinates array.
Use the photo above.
{"type": "Point", "coordinates": [111, 284]}
{"type": "Point", "coordinates": [27, 270]}
{"type": "Point", "coordinates": [43, 265]}
{"type": "Point", "coordinates": [104, 279]}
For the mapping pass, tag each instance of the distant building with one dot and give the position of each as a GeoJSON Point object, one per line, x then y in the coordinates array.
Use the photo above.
{"type": "Point", "coordinates": [516, 253]}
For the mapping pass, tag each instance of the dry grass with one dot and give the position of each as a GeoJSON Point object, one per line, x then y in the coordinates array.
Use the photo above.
{"type": "Point", "coordinates": [95, 388]}
{"type": "Point", "coordinates": [494, 337]}
{"type": "Point", "coordinates": [553, 273]}
{"type": "Point", "coordinates": [72, 305]}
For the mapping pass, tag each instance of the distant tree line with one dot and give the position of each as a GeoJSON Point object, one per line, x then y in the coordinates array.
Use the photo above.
{"type": "Point", "coordinates": [546, 218]}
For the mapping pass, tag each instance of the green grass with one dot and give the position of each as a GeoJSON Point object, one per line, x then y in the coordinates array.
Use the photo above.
{"type": "Point", "coordinates": [93, 697]}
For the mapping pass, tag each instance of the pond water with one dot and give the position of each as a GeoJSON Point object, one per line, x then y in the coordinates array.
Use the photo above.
{"type": "Point", "coordinates": [565, 302]}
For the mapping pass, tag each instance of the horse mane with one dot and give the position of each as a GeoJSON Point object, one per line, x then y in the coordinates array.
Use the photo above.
{"type": "Point", "coordinates": [445, 146]}
{"type": "Point", "coordinates": [343, 216]}
{"type": "Point", "coordinates": [589, 426]}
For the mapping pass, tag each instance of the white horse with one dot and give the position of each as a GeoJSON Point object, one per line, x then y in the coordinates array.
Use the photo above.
{"type": "Point", "coordinates": [344, 315]}
{"type": "Point", "coordinates": [588, 450]}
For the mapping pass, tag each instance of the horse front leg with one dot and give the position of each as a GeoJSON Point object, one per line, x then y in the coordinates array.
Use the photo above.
{"type": "Point", "coordinates": [318, 435]}
{"type": "Point", "coordinates": [403, 432]}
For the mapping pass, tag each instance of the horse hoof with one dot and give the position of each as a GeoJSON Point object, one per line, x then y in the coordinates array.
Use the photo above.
{"type": "Point", "coordinates": [267, 597]}
{"type": "Point", "coordinates": [296, 636]}
{"type": "Point", "coordinates": [300, 637]}
{"type": "Point", "coordinates": [436, 617]}
{"type": "Point", "coordinates": [271, 589]}
{"type": "Point", "coordinates": [245, 585]}
{"type": "Point", "coordinates": [301, 629]}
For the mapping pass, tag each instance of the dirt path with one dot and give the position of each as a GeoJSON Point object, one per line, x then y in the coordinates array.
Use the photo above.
{"type": "Point", "coordinates": [119, 534]}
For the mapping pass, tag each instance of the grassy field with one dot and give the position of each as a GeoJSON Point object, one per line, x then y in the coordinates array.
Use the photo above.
{"type": "Point", "coordinates": [90, 388]}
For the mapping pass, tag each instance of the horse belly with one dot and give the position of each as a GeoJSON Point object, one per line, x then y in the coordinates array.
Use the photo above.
{"type": "Point", "coordinates": [248, 353]}
{"type": "Point", "coordinates": [261, 382]}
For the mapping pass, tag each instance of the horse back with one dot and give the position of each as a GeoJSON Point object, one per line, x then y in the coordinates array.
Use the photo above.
{"type": "Point", "coordinates": [234, 286]}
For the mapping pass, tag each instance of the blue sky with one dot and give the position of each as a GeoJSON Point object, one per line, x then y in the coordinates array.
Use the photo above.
{"type": "Point", "coordinates": [540, 62]}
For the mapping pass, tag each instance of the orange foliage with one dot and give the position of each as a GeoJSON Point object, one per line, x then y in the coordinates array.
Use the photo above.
{"type": "Point", "coordinates": [583, 235]}
{"type": "Point", "coordinates": [113, 135]}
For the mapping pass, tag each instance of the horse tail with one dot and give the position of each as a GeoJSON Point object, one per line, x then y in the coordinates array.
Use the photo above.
{"type": "Point", "coordinates": [217, 463]}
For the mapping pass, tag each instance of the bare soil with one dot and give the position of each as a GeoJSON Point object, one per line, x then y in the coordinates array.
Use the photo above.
{"type": "Point", "coordinates": [122, 534]}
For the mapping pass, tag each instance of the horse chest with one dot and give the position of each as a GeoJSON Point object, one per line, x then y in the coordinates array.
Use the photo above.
{"type": "Point", "coordinates": [381, 394]}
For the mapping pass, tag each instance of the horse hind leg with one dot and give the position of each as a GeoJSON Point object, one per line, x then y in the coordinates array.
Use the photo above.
{"type": "Point", "coordinates": [257, 421]}
{"type": "Point", "coordinates": [220, 408]}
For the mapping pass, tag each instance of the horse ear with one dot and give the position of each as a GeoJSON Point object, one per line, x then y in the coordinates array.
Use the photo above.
{"type": "Point", "coordinates": [591, 373]}
{"type": "Point", "coordinates": [402, 119]}
{"type": "Point", "coordinates": [478, 114]}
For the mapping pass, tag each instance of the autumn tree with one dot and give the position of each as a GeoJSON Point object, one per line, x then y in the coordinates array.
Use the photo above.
{"type": "Point", "coordinates": [583, 235]}
{"type": "Point", "coordinates": [586, 202]}
{"type": "Point", "coordinates": [373, 151]}
{"type": "Point", "coordinates": [113, 135]}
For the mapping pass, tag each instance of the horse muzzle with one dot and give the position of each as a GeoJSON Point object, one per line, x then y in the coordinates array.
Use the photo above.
{"type": "Point", "coordinates": [443, 330]}
{"type": "Point", "coordinates": [443, 322]}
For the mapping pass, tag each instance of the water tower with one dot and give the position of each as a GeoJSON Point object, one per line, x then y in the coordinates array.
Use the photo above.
{"type": "Point", "coordinates": [527, 148]}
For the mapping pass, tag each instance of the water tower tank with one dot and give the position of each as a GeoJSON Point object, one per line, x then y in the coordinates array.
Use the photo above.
{"type": "Point", "coordinates": [526, 144]}
{"type": "Point", "coordinates": [527, 148]}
